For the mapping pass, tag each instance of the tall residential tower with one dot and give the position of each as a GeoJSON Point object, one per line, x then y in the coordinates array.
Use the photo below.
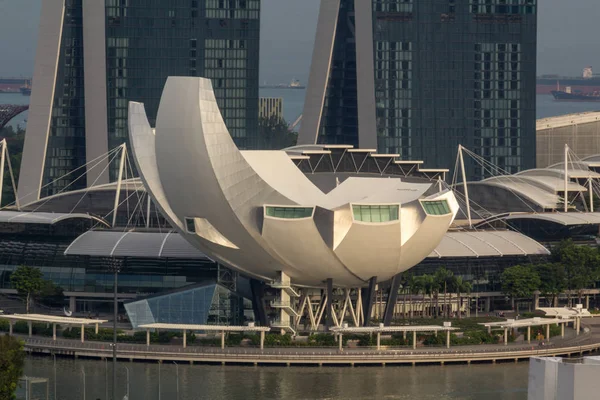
{"type": "Point", "coordinates": [94, 56]}
{"type": "Point", "coordinates": [419, 77]}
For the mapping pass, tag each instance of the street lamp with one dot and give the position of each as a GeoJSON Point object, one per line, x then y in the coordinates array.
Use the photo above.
{"type": "Point", "coordinates": [177, 370]}
{"type": "Point", "coordinates": [127, 395]}
{"type": "Point", "coordinates": [83, 375]}
{"type": "Point", "coordinates": [54, 356]}
{"type": "Point", "coordinates": [114, 265]}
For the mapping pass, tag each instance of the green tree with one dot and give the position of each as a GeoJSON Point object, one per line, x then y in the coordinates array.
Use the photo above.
{"type": "Point", "coordinates": [12, 359]}
{"type": "Point", "coordinates": [553, 281]}
{"type": "Point", "coordinates": [580, 264]}
{"type": "Point", "coordinates": [444, 279]}
{"type": "Point", "coordinates": [275, 134]}
{"type": "Point", "coordinates": [461, 286]}
{"type": "Point", "coordinates": [520, 281]}
{"type": "Point", "coordinates": [51, 294]}
{"type": "Point", "coordinates": [27, 281]}
{"type": "Point", "coordinates": [428, 284]}
{"type": "Point", "coordinates": [415, 286]}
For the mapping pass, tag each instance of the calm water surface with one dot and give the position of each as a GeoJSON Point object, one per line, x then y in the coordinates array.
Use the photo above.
{"type": "Point", "coordinates": [451, 382]}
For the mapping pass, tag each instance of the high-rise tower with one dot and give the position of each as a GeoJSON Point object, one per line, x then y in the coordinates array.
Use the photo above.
{"type": "Point", "coordinates": [420, 77]}
{"type": "Point", "coordinates": [94, 56]}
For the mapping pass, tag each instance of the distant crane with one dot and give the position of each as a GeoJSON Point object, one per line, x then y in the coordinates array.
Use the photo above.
{"type": "Point", "coordinates": [294, 124]}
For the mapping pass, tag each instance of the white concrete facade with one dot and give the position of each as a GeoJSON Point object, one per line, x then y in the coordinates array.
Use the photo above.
{"type": "Point", "coordinates": [555, 378]}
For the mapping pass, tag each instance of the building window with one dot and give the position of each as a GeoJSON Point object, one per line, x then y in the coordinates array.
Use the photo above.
{"type": "Point", "coordinates": [375, 213]}
{"type": "Point", "coordinates": [289, 212]}
{"type": "Point", "coordinates": [190, 225]}
{"type": "Point", "coordinates": [438, 207]}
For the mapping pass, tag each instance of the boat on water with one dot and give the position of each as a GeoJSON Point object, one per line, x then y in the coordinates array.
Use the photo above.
{"type": "Point", "coordinates": [26, 89]}
{"type": "Point", "coordinates": [587, 82]}
{"type": "Point", "coordinates": [577, 96]}
{"type": "Point", "coordinates": [294, 84]}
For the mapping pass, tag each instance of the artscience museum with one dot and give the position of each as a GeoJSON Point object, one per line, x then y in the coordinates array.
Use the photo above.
{"type": "Point", "coordinates": [263, 214]}
{"type": "Point", "coordinates": [314, 216]}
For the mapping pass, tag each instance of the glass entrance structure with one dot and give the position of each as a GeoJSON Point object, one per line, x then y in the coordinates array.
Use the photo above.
{"type": "Point", "coordinates": [205, 304]}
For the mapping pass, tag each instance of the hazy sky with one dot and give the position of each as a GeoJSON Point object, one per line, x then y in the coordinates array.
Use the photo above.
{"type": "Point", "coordinates": [567, 38]}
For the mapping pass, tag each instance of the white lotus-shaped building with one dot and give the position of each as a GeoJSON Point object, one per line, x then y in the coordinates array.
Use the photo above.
{"type": "Point", "coordinates": [260, 213]}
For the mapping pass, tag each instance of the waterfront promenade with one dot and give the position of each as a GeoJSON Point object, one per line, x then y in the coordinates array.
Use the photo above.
{"type": "Point", "coordinates": [573, 345]}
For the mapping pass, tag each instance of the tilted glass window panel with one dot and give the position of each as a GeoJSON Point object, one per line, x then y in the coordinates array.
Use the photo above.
{"type": "Point", "coordinates": [289, 212]}
{"type": "Point", "coordinates": [438, 207]}
{"type": "Point", "coordinates": [190, 225]}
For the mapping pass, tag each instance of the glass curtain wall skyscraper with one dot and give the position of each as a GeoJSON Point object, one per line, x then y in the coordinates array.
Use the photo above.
{"type": "Point", "coordinates": [418, 78]}
{"type": "Point", "coordinates": [94, 56]}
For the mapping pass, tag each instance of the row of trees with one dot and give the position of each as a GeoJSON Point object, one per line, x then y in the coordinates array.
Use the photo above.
{"type": "Point", "coordinates": [442, 281]}
{"type": "Point", "coordinates": [571, 269]}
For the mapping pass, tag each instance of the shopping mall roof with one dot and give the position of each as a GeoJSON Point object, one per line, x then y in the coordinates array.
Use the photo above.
{"type": "Point", "coordinates": [567, 120]}
{"type": "Point", "coordinates": [531, 190]}
{"type": "Point", "coordinates": [487, 244]}
{"type": "Point", "coordinates": [167, 244]}
{"type": "Point", "coordinates": [561, 218]}
{"type": "Point", "coordinates": [19, 217]}
{"type": "Point", "coordinates": [170, 244]}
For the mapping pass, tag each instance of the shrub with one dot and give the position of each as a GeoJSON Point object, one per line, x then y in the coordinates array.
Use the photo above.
{"type": "Point", "coordinates": [4, 325]}
{"type": "Point", "coordinates": [40, 329]}
{"type": "Point", "coordinates": [325, 340]}
{"type": "Point", "coordinates": [274, 339]}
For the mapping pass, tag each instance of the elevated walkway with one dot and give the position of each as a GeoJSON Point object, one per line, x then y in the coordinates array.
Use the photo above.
{"type": "Point", "coordinates": [303, 355]}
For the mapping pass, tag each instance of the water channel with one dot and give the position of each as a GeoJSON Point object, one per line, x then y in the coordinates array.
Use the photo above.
{"type": "Point", "coordinates": [503, 381]}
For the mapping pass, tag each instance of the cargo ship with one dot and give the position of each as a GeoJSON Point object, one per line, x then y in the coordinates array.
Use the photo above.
{"type": "Point", "coordinates": [294, 84]}
{"type": "Point", "coordinates": [578, 96]}
{"type": "Point", "coordinates": [587, 83]}
{"type": "Point", "coordinates": [26, 89]}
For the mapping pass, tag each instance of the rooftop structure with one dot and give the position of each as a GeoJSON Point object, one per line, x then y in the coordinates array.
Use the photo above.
{"type": "Point", "coordinates": [537, 190]}
{"type": "Point", "coordinates": [528, 323]}
{"type": "Point", "coordinates": [580, 131]}
{"type": "Point", "coordinates": [258, 213]}
{"type": "Point", "coordinates": [154, 244]}
{"type": "Point", "coordinates": [54, 320]}
{"type": "Point", "coordinates": [381, 329]}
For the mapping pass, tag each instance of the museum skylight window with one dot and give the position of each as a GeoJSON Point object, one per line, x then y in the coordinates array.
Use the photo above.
{"type": "Point", "coordinates": [377, 214]}
{"type": "Point", "coordinates": [289, 212]}
{"type": "Point", "coordinates": [438, 207]}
